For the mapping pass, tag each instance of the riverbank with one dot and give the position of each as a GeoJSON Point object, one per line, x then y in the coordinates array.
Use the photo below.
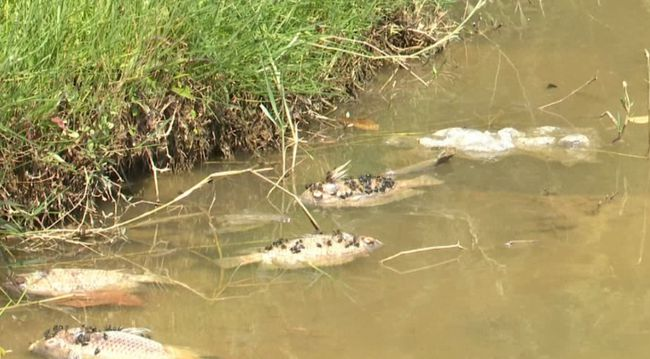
{"type": "Point", "coordinates": [96, 93]}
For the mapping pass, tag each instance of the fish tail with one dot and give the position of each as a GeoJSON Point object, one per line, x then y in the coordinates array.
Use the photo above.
{"type": "Point", "coordinates": [104, 297]}
{"type": "Point", "coordinates": [232, 262]}
{"type": "Point", "coordinates": [151, 278]}
{"type": "Point", "coordinates": [421, 181]}
{"type": "Point", "coordinates": [445, 155]}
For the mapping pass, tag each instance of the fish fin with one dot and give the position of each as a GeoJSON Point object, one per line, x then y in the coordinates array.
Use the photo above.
{"type": "Point", "coordinates": [142, 332]}
{"type": "Point", "coordinates": [151, 278]}
{"type": "Point", "coordinates": [104, 297]}
{"type": "Point", "coordinates": [421, 181]}
{"type": "Point", "coordinates": [232, 262]}
{"type": "Point", "coordinates": [339, 172]}
{"type": "Point", "coordinates": [445, 155]}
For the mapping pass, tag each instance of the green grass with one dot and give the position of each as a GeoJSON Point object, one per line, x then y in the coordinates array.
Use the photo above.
{"type": "Point", "coordinates": [89, 87]}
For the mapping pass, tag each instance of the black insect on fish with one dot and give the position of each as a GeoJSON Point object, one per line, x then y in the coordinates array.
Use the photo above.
{"type": "Point", "coordinates": [308, 251]}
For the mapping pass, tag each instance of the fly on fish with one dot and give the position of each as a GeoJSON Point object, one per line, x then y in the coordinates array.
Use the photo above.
{"type": "Point", "coordinates": [311, 250]}
{"type": "Point", "coordinates": [338, 190]}
{"type": "Point", "coordinates": [111, 343]}
{"type": "Point", "coordinates": [81, 287]}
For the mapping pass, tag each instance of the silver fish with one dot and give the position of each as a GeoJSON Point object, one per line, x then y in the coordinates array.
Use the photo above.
{"type": "Point", "coordinates": [318, 250]}
{"type": "Point", "coordinates": [86, 343]}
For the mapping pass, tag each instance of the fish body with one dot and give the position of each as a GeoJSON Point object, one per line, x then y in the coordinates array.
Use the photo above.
{"type": "Point", "coordinates": [364, 191]}
{"type": "Point", "coordinates": [338, 190]}
{"type": "Point", "coordinates": [313, 250]}
{"type": "Point", "coordinates": [86, 343]}
{"type": "Point", "coordinates": [228, 223]}
{"type": "Point", "coordinates": [545, 141]}
{"type": "Point", "coordinates": [61, 281]}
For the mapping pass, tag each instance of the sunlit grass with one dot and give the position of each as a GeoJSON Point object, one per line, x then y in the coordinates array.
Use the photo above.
{"type": "Point", "coordinates": [86, 84]}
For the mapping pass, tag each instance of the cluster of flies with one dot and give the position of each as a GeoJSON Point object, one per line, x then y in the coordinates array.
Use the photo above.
{"type": "Point", "coordinates": [364, 184]}
{"type": "Point", "coordinates": [298, 246]}
{"type": "Point", "coordinates": [81, 337]}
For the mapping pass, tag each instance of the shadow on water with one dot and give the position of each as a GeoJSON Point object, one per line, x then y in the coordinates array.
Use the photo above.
{"type": "Point", "coordinates": [554, 265]}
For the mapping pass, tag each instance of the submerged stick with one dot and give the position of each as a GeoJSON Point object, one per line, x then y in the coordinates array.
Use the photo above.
{"type": "Point", "coordinates": [295, 197]}
{"type": "Point", "coordinates": [419, 250]}
{"type": "Point", "coordinates": [570, 94]}
{"type": "Point", "coordinates": [178, 198]}
{"type": "Point", "coordinates": [68, 233]}
{"type": "Point", "coordinates": [647, 61]}
{"type": "Point", "coordinates": [455, 32]}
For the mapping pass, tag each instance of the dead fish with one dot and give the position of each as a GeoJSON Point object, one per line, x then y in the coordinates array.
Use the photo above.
{"type": "Point", "coordinates": [318, 250]}
{"type": "Point", "coordinates": [87, 342]}
{"type": "Point", "coordinates": [228, 223]}
{"type": "Point", "coordinates": [80, 283]}
{"type": "Point", "coordinates": [365, 190]}
{"type": "Point", "coordinates": [118, 297]}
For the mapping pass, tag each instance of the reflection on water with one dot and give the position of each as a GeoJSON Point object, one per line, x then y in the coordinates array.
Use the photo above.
{"type": "Point", "coordinates": [573, 282]}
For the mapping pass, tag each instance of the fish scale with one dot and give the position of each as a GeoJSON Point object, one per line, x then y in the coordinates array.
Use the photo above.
{"type": "Point", "coordinates": [319, 250]}
{"type": "Point", "coordinates": [82, 343]}
{"type": "Point", "coordinates": [62, 281]}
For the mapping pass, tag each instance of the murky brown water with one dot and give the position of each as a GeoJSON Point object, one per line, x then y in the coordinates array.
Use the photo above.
{"type": "Point", "coordinates": [575, 282]}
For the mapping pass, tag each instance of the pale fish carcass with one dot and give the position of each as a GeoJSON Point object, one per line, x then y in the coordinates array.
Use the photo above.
{"type": "Point", "coordinates": [312, 250]}
{"type": "Point", "coordinates": [549, 142]}
{"type": "Point", "coordinates": [82, 287]}
{"type": "Point", "coordinates": [111, 343]}
{"type": "Point", "coordinates": [368, 190]}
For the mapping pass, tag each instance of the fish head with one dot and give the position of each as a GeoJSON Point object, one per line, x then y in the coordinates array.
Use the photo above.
{"type": "Point", "coordinates": [370, 243]}
{"type": "Point", "coordinates": [15, 285]}
{"type": "Point", "coordinates": [53, 348]}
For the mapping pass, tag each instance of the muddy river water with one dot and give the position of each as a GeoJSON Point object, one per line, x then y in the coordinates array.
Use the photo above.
{"type": "Point", "coordinates": [554, 264]}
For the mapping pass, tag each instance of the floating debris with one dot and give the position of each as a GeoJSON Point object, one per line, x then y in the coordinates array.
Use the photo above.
{"type": "Point", "coordinates": [318, 250]}
{"type": "Point", "coordinates": [361, 124]}
{"type": "Point", "coordinates": [89, 342]}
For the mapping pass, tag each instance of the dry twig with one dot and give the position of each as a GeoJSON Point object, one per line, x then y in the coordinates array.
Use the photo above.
{"type": "Point", "coordinates": [570, 93]}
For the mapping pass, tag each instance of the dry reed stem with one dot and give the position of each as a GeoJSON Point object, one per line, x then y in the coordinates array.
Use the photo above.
{"type": "Point", "coordinates": [517, 75]}
{"type": "Point", "coordinates": [575, 91]}
{"type": "Point", "coordinates": [216, 298]}
{"type": "Point", "coordinates": [295, 197]}
{"type": "Point", "coordinates": [67, 234]}
{"type": "Point", "coordinates": [419, 269]}
{"type": "Point", "coordinates": [164, 220]}
{"type": "Point", "coordinates": [22, 304]}
{"type": "Point", "coordinates": [647, 61]}
{"type": "Point", "coordinates": [419, 250]}
{"type": "Point", "coordinates": [450, 36]}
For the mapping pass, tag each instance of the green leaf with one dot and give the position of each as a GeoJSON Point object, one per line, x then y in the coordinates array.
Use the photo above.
{"type": "Point", "coordinates": [184, 92]}
{"type": "Point", "coordinates": [53, 157]}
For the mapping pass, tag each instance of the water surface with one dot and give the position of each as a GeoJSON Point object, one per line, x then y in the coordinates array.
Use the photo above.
{"type": "Point", "coordinates": [554, 265]}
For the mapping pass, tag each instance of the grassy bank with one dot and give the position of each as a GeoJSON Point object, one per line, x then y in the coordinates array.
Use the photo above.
{"type": "Point", "coordinates": [95, 91]}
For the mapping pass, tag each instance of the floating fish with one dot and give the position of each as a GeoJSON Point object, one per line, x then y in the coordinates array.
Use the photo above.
{"type": "Point", "coordinates": [87, 342]}
{"type": "Point", "coordinates": [318, 250]}
{"type": "Point", "coordinates": [228, 223]}
{"type": "Point", "coordinates": [79, 285]}
{"type": "Point", "coordinates": [546, 141]}
{"type": "Point", "coordinates": [367, 190]}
